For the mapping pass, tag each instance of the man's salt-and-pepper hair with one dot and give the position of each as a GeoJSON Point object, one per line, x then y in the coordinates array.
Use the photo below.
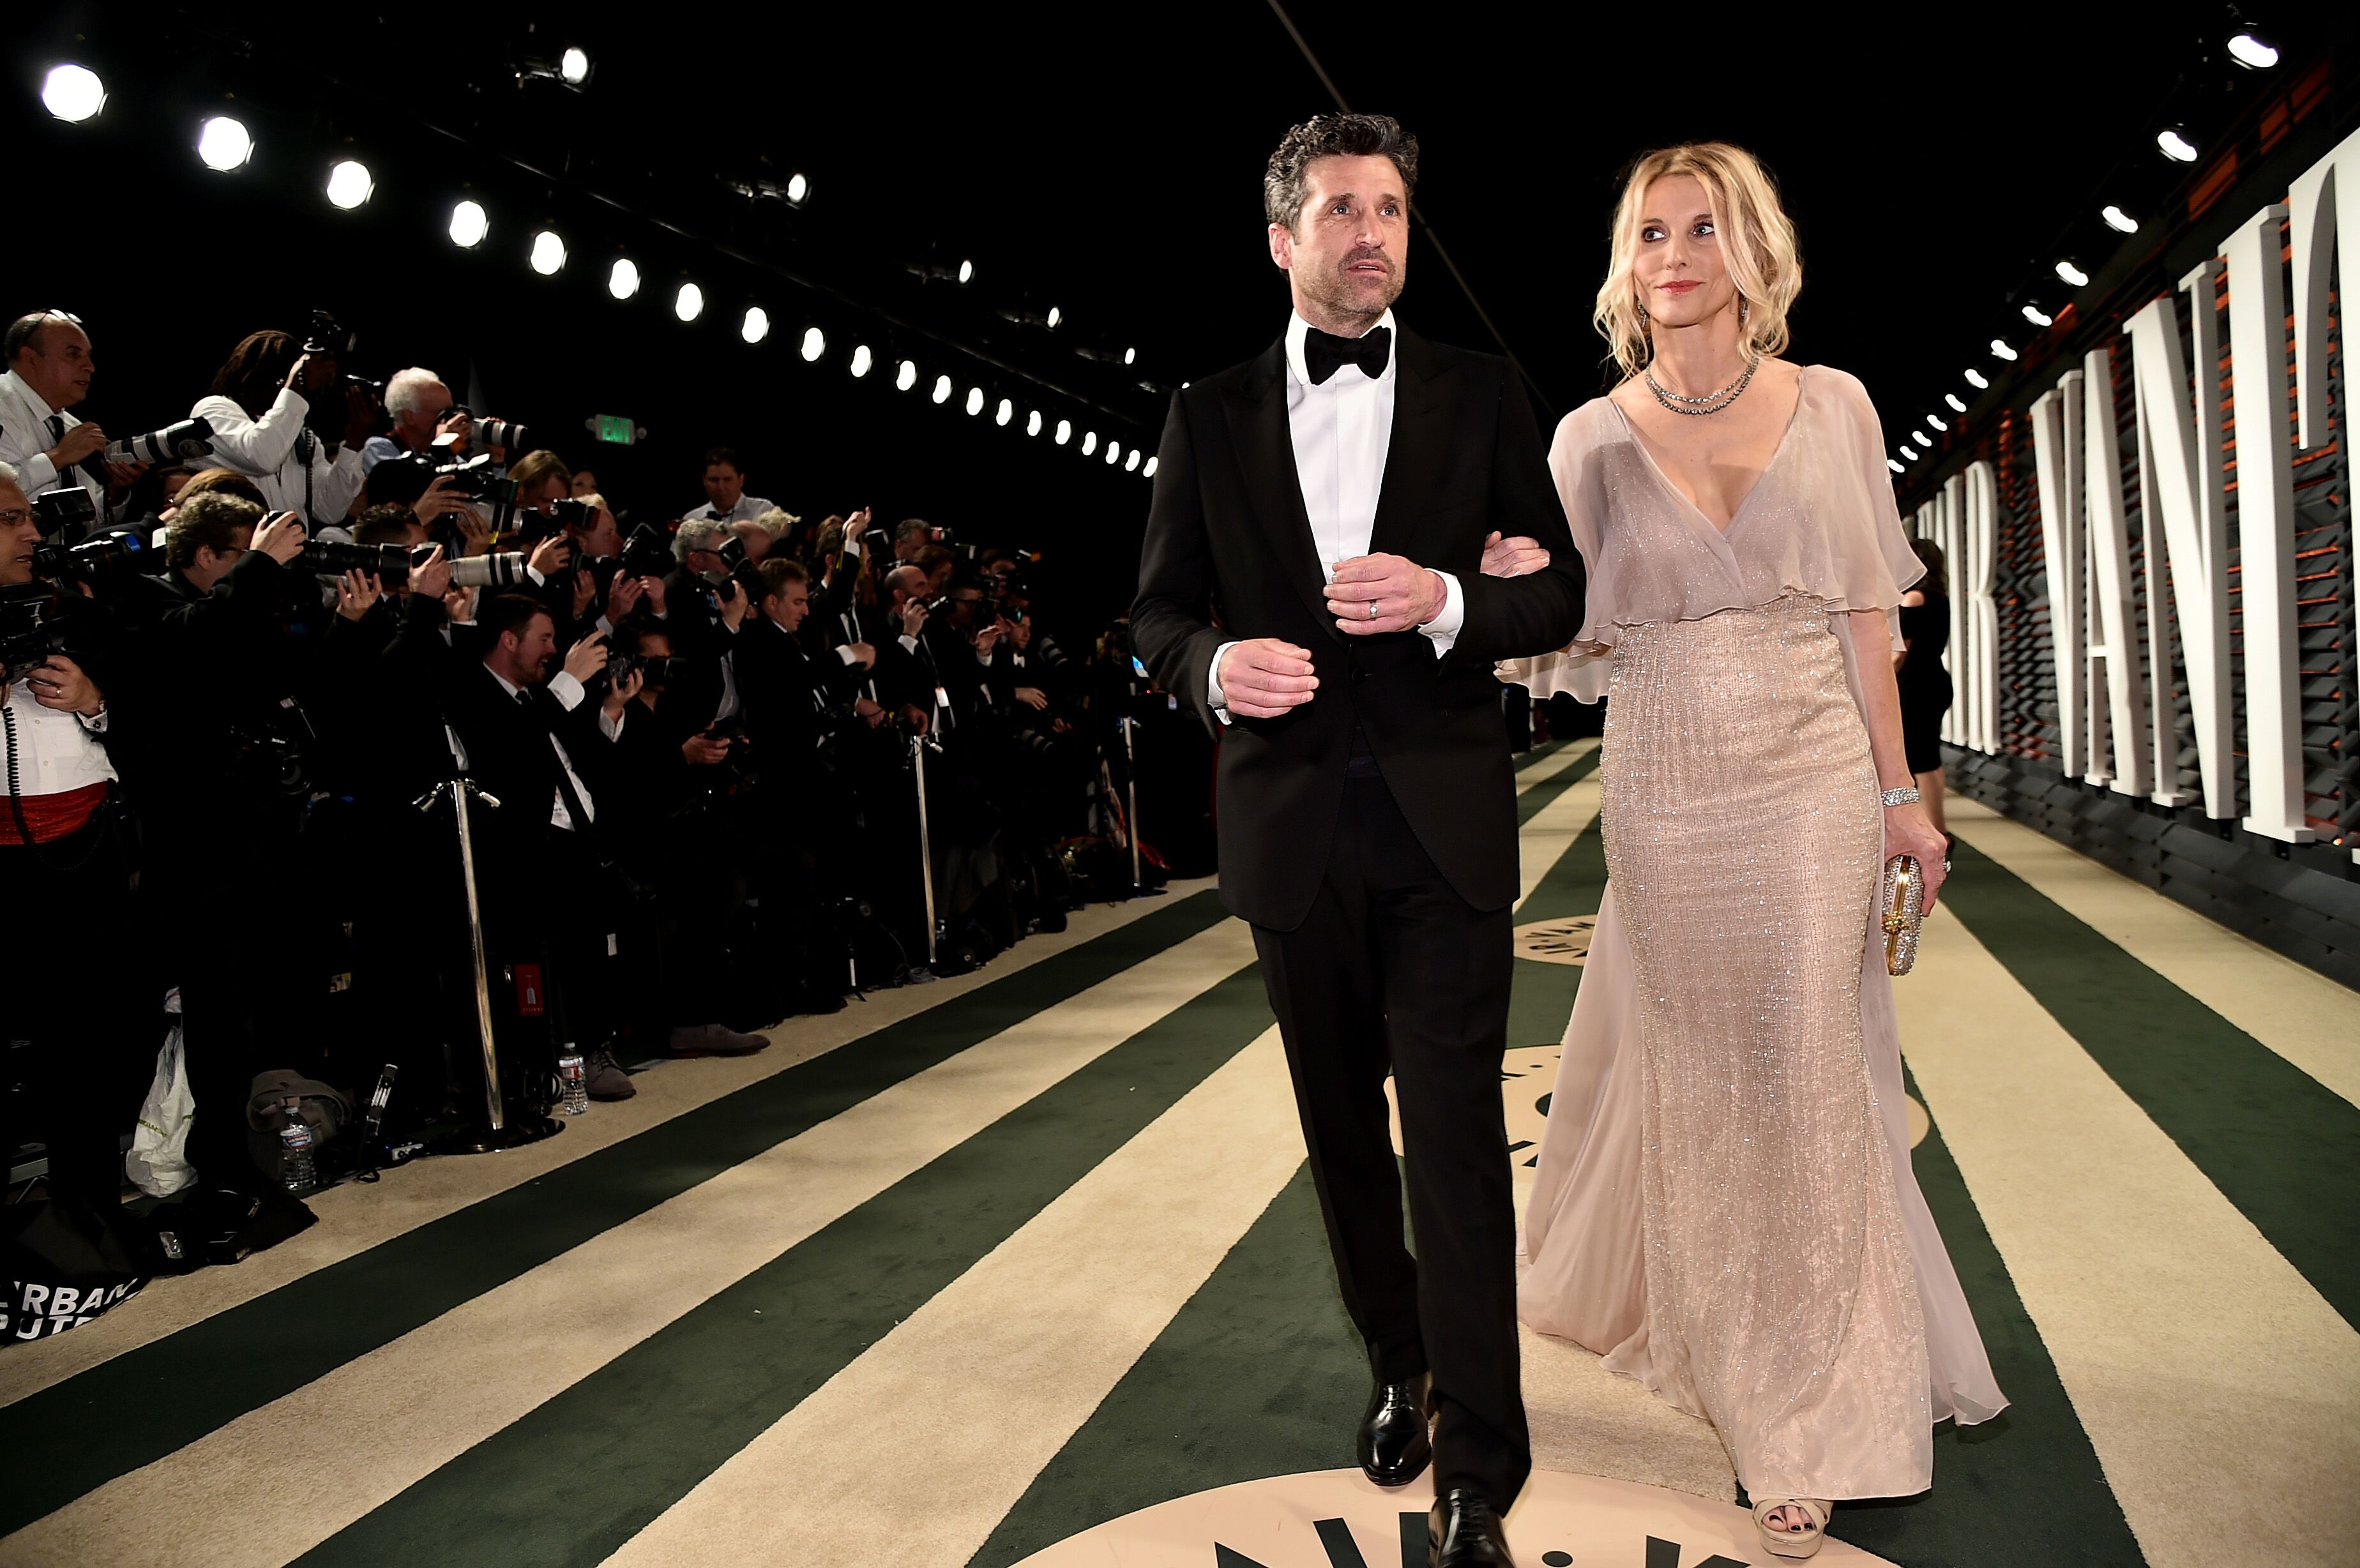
{"type": "Point", "coordinates": [698, 533]}
{"type": "Point", "coordinates": [8, 476]}
{"type": "Point", "coordinates": [402, 387]}
{"type": "Point", "coordinates": [1332, 135]}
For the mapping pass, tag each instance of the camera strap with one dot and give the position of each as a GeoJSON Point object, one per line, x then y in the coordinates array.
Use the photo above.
{"type": "Point", "coordinates": [306, 445]}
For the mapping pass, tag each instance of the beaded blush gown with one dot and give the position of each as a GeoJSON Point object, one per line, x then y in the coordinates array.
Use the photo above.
{"type": "Point", "coordinates": [1724, 1207]}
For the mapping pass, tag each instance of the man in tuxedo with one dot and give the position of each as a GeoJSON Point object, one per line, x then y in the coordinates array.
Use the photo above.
{"type": "Point", "coordinates": [1312, 581]}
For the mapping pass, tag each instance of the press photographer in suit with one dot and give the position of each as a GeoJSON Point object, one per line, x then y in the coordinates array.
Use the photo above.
{"type": "Point", "coordinates": [1337, 494]}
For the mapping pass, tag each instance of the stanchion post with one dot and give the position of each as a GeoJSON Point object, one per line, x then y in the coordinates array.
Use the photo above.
{"type": "Point", "coordinates": [925, 840]}
{"type": "Point", "coordinates": [1131, 787]}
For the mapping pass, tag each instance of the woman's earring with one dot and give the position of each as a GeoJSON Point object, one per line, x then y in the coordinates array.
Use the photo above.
{"type": "Point", "coordinates": [1744, 309]}
{"type": "Point", "coordinates": [1642, 313]}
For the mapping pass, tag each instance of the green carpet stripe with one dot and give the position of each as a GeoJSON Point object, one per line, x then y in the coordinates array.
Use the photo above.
{"type": "Point", "coordinates": [1543, 997]}
{"type": "Point", "coordinates": [576, 1478]}
{"type": "Point", "coordinates": [1546, 748]}
{"type": "Point", "coordinates": [1261, 1374]}
{"type": "Point", "coordinates": [1537, 797]}
{"type": "Point", "coordinates": [2276, 1143]}
{"type": "Point", "coordinates": [143, 1405]}
{"type": "Point", "coordinates": [2024, 1490]}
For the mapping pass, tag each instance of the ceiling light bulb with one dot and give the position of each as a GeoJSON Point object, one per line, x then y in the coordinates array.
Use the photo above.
{"type": "Point", "coordinates": [548, 252]}
{"type": "Point", "coordinates": [942, 389]}
{"type": "Point", "coordinates": [1975, 379]}
{"type": "Point", "coordinates": [973, 400]}
{"type": "Point", "coordinates": [1005, 411]}
{"type": "Point", "coordinates": [2252, 53]}
{"type": "Point", "coordinates": [623, 277]}
{"type": "Point", "coordinates": [2119, 220]}
{"type": "Point", "coordinates": [2072, 274]}
{"type": "Point", "coordinates": [349, 184]}
{"type": "Point", "coordinates": [574, 67]}
{"type": "Point", "coordinates": [469, 224]}
{"type": "Point", "coordinates": [905, 375]}
{"type": "Point", "coordinates": [756, 325]}
{"type": "Point", "coordinates": [1065, 432]}
{"type": "Point", "coordinates": [1130, 355]}
{"type": "Point", "coordinates": [2039, 317]}
{"type": "Point", "coordinates": [2175, 145]}
{"type": "Point", "coordinates": [1936, 420]}
{"type": "Point", "coordinates": [73, 93]}
{"type": "Point", "coordinates": [1032, 423]}
{"type": "Point", "coordinates": [1114, 453]}
{"type": "Point", "coordinates": [1952, 400]}
{"type": "Point", "coordinates": [689, 303]}
{"type": "Point", "coordinates": [798, 188]}
{"type": "Point", "coordinates": [1895, 466]}
{"type": "Point", "coordinates": [1148, 472]}
{"type": "Point", "coordinates": [2000, 349]}
{"type": "Point", "coordinates": [860, 360]}
{"type": "Point", "coordinates": [1906, 451]}
{"type": "Point", "coordinates": [1089, 442]}
{"type": "Point", "coordinates": [966, 272]}
{"type": "Point", "coordinates": [223, 144]}
{"type": "Point", "coordinates": [814, 344]}
{"type": "Point", "coordinates": [1130, 464]}
{"type": "Point", "coordinates": [1055, 316]}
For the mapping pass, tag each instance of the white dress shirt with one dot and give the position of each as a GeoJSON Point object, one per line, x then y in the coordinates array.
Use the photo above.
{"type": "Point", "coordinates": [747, 508]}
{"type": "Point", "coordinates": [1342, 430]}
{"type": "Point", "coordinates": [56, 753]}
{"type": "Point", "coordinates": [27, 433]}
{"type": "Point", "coordinates": [269, 451]}
{"type": "Point", "coordinates": [569, 695]}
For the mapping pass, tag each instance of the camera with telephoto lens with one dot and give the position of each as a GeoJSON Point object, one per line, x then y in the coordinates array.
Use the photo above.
{"type": "Point", "coordinates": [187, 442]}
{"type": "Point", "coordinates": [326, 335]}
{"type": "Point", "coordinates": [502, 569]}
{"type": "Point", "coordinates": [473, 477]}
{"type": "Point", "coordinates": [389, 563]}
{"type": "Point", "coordinates": [739, 573]}
{"type": "Point", "coordinates": [68, 510]}
{"type": "Point", "coordinates": [92, 560]}
{"type": "Point", "coordinates": [506, 434]}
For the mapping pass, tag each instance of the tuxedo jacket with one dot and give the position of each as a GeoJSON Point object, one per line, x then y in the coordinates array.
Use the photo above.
{"type": "Point", "coordinates": [508, 754]}
{"type": "Point", "coordinates": [780, 689]}
{"type": "Point", "coordinates": [1228, 540]}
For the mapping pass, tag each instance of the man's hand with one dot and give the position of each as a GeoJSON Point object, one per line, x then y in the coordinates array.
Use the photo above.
{"type": "Point", "coordinates": [444, 498]}
{"type": "Point", "coordinates": [1517, 557]}
{"type": "Point", "coordinates": [988, 638]}
{"type": "Point", "coordinates": [915, 717]}
{"type": "Point", "coordinates": [651, 589]}
{"type": "Point", "coordinates": [585, 592]}
{"type": "Point", "coordinates": [871, 713]}
{"type": "Point", "coordinates": [733, 609]}
{"type": "Point", "coordinates": [76, 444]}
{"type": "Point", "coordinates": [474, 534]}
{"type": "Point", "coordinates": [1263, 678]}
{"type": "Point", "coordinates": [548, 557]}
{"type": "Point", "coordinates": [459, 603]}
{"type": "Point", "coordinates": [1403, 595]}
{"type": "Point", "coordinates": [863, 654]}
{"type": "Point", "coordinates": [587, 658]}
{"type": "Point", "coordinates": [121, 476]}
{"type": "Point", "coordinates": [1033, 697]}
{"type": "Point", "coordinates": [360, 415]}
{"type": "Point", "coordinates": [620, 693]}
{"type": "Point", "coordinates": [59, 682]}
{"type": "Point", "coordinates": [456, 424]}
{"type": "Point", "coordinates": [357, 593]}
{"type": "Point", "coordinates": [299, 375]}
{"type": "Point", "coordinates": [704, 750]}
{"type": "Point", "coordinates": [281, 537]}
{"type": "Point", "coordinates": [622, 595]}
{"type": "Point", "coordinates": [432, 576]}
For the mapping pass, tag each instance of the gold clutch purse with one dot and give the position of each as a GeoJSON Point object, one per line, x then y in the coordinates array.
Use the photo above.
{"type": "Point", "coordinates": [1905, 912]}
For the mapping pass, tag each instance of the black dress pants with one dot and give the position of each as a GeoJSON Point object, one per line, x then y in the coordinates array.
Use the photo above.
{"type": "Point", "coordinates": [1391, 968]}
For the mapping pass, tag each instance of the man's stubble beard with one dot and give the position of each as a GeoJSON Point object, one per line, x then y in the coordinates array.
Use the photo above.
{"type": "Point", "coordinates": [1336, 298]}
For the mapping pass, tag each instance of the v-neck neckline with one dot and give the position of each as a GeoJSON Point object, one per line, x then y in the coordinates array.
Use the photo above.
{"type": "Point", "coordinates": [1665, 479]}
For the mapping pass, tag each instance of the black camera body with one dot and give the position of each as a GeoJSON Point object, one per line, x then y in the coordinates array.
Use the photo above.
{"type": "Point", "coordinates": [325, 335]}
{"type": "Point", "coordinates": [739, 574]}
{"type": "Point", "coordinates": [69, 511]}
{"type": "Point", "coordinates": [29, 628]}
{"type": "Point", "coordinates": [92, 560]}
{"type": "Point", "coordinates": [658, 670]}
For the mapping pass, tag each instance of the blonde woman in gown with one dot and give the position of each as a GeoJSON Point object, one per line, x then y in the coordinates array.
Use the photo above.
{"type": "Point", "coordinates": [1724, 1206]}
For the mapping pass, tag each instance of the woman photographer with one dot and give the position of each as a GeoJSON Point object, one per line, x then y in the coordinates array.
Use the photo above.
{"type": "Point", "coordinates": [278, 419]}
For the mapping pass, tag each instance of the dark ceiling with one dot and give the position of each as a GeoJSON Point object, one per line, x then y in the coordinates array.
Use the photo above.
{"type": "Point", "coordinates": [1105, 160]}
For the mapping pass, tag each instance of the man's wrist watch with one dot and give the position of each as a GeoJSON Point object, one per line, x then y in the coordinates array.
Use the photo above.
{"type": "Point", "coordinates": [1907, 795]}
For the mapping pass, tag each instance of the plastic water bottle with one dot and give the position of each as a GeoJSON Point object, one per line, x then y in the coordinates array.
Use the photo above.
{"type": "Point", "coordinates": [296, 1168]}
{"type": "Point", "coordinates": [574, 1085]}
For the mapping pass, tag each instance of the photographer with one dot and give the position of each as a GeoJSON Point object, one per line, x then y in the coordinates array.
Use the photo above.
{"type": "Point", "coordinates": [49, 371]}
{"type": "Point", "coordinates": [542, 480]}
{"type": "Point", "coordinates": [64, 858]}
{"type": "Point", "coordinates": [421, 408]}
{"type": "Point", "coordinates": [278, 418]}
{"type": "Point", "coordinates": [726, 500]}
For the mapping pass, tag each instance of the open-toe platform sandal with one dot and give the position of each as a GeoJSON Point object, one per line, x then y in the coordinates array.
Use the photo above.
{"type": "Point", "coordinates": [1790, 1542]}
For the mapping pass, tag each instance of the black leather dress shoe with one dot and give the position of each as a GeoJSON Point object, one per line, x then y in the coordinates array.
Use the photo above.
{"type": "Point", "coordinates": [1463, 1533]}
{"type": "Point", "coordinates": [1394, 1447]}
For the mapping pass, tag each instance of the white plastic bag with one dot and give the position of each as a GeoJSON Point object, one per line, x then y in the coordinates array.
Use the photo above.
{"type": "Point", "coordinates": [158, 1163]}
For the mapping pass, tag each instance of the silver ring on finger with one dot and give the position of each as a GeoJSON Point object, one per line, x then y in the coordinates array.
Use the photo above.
{"type": "Point", "coordinates": [1372, 609]}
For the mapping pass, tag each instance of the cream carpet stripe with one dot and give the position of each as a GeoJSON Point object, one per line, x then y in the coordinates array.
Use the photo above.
{"type": "Point", "coordinates": [1552, 831]}
{"type": "Point", "coordinates": [1556, 762]}
{"type": "Point", "coordinates": [2300, 1013]}
{"type": "Point", "coordinates": [2220, 1391]}
{"type": "Point", "coordinates": [360, 1216]}
{"type": "Point", "coordinates": [439, 1391]}
{"type": "Point", "coordinates": [928, 1440]}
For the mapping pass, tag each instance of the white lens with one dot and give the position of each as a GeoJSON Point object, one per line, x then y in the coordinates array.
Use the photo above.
{"type": "Point", "coordinates": [73, 93]}
{"type": "Point", "coordinates": [469, 224]}
{"type": "Point", "coordinates": [861, 360]}
{"type": "Point", "coordinates": [349, 184]}
{"type": "Point", "coordinates": [224, 144]}
{"type": "Point", "coordinates": [548, 252]}
{"type": "Point", "coordinates": [689, 303]}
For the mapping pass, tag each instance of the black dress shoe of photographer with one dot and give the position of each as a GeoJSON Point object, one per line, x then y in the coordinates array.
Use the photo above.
{"type": "Point", "coordinates": [1394, 1448]}
{"type": "Point", "coordinates": [1464, 1532]}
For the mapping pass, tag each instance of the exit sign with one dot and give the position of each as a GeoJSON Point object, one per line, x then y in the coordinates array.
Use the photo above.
{"type": "Point", "coordinates": [615, 428]}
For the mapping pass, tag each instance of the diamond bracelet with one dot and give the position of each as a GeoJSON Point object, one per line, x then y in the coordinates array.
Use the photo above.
{"type": "Point", "coordinates": [1906, 796]}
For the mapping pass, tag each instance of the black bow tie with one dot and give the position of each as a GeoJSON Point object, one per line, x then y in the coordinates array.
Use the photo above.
{"type": "Point", "coordinates": [1325, 352]}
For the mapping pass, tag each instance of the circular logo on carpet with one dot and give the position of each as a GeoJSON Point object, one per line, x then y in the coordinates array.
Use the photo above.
{"type": "Point", "coordinates": [1557, 941]}
{"type": "Point", "coordinates": [1527, 1078]}
{"type": "Point", "coordinates": [1335, 1518]}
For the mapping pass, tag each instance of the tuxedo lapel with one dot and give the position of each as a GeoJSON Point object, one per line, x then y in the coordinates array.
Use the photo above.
{"type": "Point", "coordinates": [1417, 453]}
{"type": "Point", "coordinates": [1265, 447]}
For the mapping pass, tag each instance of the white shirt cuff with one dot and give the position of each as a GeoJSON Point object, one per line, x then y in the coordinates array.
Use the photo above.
{"type": "Point", "coordinates": [538, 580]}
{"type": "Point", "coordinates": [1213, 697]}
{"type": "Point", "coordinates": [606, 626]}
{"type": "Point", "coordinates": [844, 651]}
{"type": "Point", "coordinates": [987, 655]}
{"type": "Point", "coordinates": [909, 644]}
{"type": "Point", "coordinates": [94, 724]}
{"type": "Point", "coordinates": [1443, 630]}
{"type": "Point", "coordinates": [566, 690]}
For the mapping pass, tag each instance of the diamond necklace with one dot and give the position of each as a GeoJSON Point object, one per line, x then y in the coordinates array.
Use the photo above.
{"type": "Point", "coordinates": [1711, 402]}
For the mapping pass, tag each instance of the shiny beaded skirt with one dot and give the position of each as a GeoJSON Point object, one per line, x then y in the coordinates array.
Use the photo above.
{"type": "Point", "coordinates": [1744, 841]}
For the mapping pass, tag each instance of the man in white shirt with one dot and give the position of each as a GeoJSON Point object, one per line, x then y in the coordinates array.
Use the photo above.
{"type": "Point", "coordinates": [49, 371]}
{"type": "Point", "coordinates": [726, 500]}
{"type": "Point", "coordinates": [419, 404]}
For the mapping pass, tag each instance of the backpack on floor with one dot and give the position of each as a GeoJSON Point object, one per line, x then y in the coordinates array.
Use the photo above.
{"type": "Point", "coordinates": [64, 1264]}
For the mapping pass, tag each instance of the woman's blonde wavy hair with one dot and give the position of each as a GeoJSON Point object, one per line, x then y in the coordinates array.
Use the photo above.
{"type": "Point", "coordinates": [1757, 237]}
